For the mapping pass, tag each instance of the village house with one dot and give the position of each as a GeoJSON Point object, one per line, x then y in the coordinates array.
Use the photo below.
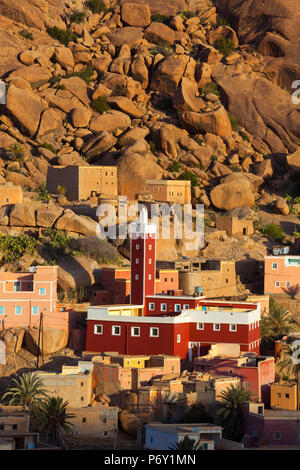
{"type": "Point", "coordinates": [97, 420]}
{"type": "Point", "coordinates": [270, 428]}
{"type": "Point", "coordinates": [171, 323]}
{"type": "Point", "coordinates": [282, 273]}
{"type": "Point", "coordinates": [10, 194]}
{"type": "Point", "coordinates": [72, 384]}
{"type": "Point", "coordinates": [257, 373]}
{"type": "Point", "coordinates": [168, 191]}
{"type": "Point", "coordinates": [83, 182]}
{"type": "Point", "coordinates": [161, 436]}
{"type": "Point", "coordinates": [25, 295]}
{"type": "Point", "coordinates": [211, 278]}
{"type": "Point", "coordinates": [113, 373]}
{"type": "Point", "coordinates": [160, 191]}
{"type": "Point", "coordinates": [170, 398]}
{"type": "Point", "coordinates": [15, 430]}
{"type": "Point", "coordinates": [234, 226]}
{"type": "Point", "coordinates": [284, 396]}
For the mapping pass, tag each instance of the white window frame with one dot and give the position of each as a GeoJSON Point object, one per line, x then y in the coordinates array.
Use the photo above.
{"type": "Point", "coordinates": [35, 306]}
{"type": "Point", "coordinates": [217, 329]}
{"type": "Point", "coordinates": [137, 261]}
{"type": "Point", "coordinates": [233, 325]}
{"type": "Point", "coordinates": [274, 265]}
{"type": "Point", "coordinates": [136, 277]}
{"type": "Point", "coordinates": [186, 307]}
{"type": "Point", "coordinates": [18, 306]}
{"type": "Point", "coordinates": [163, 309]}
{"type": "Point", "coordinates": [198, 326]}
{"type": "Point", "coordinates": [42, 288]}
{"type": "Point", "coordinates": [178, 339]}
{"type": "Point", "coordinates": [2, 306]}
{"type": "Point", "coordinates": [151, 306]}
{"type": "Point", "coordinates": [137, 247]}
{"type": "Point", "coordinates": [151, 332]}
{"type": "Point", "coordinates": [288, 284]}
{"type": "Point", "coordinates": [149, 277]}
{"type": "Point", "coordinates": [150, 247]}
{"type": "Point", "coordinates": [132, 331]}
{"type": "Point", "coordinates": [113, 330]}
{"type": "Point", "coordinates": [277, 283]}
{"type": "Point", "coordinates": [95, 330]}
{"type": "Point", "coordinates": [277, 439]}
{"type": "Point", "coordinates": [177, 309]}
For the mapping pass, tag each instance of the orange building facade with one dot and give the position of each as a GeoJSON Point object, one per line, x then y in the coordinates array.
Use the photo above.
{"type": "Point", "coordinates": [281, 273]}
{"type": "Point", "coordinates": [24, 296]}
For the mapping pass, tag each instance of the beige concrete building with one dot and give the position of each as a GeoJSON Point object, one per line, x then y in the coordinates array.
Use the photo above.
{"type": "Point", "coordinates": [167, 191]}
{"type": "Point", "coordinates": [83, 182]}
{"type": "Point", "coordinates": [172, 191]}
{"type": "Point", "coordinates": [10, 194]}
{"type": "Point", "coordinates": [97, 421]}
{"type": "Point", "coordinates": [72, 385]}
{"type": "Point", "coordinates": [210, 278]}
{"type": "Point", "coordinates": [234, 225]}
{"type": "Point", "coordinates": [14, 418]}
{"type": "Point", "coordinates": [172, 397]}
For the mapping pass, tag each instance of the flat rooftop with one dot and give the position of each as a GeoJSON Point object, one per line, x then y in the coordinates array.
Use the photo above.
{"type": "Point", "coordinates": [191, 428]}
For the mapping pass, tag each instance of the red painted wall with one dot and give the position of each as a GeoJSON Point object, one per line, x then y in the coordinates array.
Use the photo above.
{"type": "Point", "coordinates": [144, 344]}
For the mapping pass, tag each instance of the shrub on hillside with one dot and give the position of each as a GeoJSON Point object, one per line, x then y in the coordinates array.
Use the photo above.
{"type": "Point", "coordinates": [62, 35]}
{"type": "Point", "coordinates": [273, 231]}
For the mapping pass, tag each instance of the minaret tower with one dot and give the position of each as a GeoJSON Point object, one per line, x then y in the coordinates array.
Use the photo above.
{"type": "Point", "coordinates": [143, 259]}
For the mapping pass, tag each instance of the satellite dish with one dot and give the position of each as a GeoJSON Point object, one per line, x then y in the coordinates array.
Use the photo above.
{"type": "Point", "coordinates": [32, 269]}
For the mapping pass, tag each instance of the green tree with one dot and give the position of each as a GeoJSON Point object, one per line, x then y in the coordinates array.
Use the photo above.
{"type": "Point", "coordinates": [27, 390]}
{"type": "Point", "coordinates": [278, 322]}
{"type": "Point", "coordinates": [51, 417]}
{"type": "Point", "coordinates": [230, 411]}
{"type": "Point", "coordinates": [186, 444]}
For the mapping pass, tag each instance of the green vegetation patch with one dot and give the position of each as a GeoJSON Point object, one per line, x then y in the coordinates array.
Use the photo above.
{"type": "Point", "coordinates": [96, 6]}
{"type": "Point", "coordinates": [225, 46]}
{"type": "Point", "coordinates": [13, 248]}
{"type": "Point", "coordinates": [273, 231]}
{"type": "Point", "coordinates": [62, 35]}
{"type": "Point", "coordinates": [188, 175]}
{"type": "Point", "coordinates": [100, 105]}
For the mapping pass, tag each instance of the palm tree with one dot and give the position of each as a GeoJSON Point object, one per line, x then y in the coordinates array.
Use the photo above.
{"type": "Point", "coordinates": [186, 444]}
{"type": "Point", "coordinates": [51, 417]}
{"type": "Point", "coordinates": [279, 322]}
{"type": "Point", "coordinates": [230, 411]}
{"type": "Point", "coordinates": [290, 363]}
{"type": "Point", "coordinates": [27, 391]}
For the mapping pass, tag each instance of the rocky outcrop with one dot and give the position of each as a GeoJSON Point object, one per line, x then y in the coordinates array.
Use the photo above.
{"type": "Point", "coordinates": [13, 339]}
{"type": "Point", "coordinates": [273, 28]}
{"type": "Point", "coordinates": [264, 109]}
{"type": "Point", "coordinates": [52, 340]}
{"type": "Point", "coordinates": [17, 101]}
{"type": "Point", "coordinates": [214, 122]}
{"type": "Point", "coordinates": [229, 195]}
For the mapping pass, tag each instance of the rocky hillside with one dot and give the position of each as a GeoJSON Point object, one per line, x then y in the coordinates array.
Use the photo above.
{"type": "Point", "coordinates": [188, 89]}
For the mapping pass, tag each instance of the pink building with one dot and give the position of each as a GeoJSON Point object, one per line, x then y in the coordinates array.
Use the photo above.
{"type": "Point", "coordinates": [270, 427]}
{"type": "Point", "coordinates": [281, 272]}
{"type": "Point", "coordinates": [255, 372]}
{"type": "Point", "coordinates": [25, 295]}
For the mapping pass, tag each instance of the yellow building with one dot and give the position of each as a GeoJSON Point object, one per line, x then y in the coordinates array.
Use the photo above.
{"type": "Point", "coordinates": [284, 395]}
{"type": "Point", "coordinates": [83, 182]}
{"type": "Point", "coordinates": [10, 194]}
